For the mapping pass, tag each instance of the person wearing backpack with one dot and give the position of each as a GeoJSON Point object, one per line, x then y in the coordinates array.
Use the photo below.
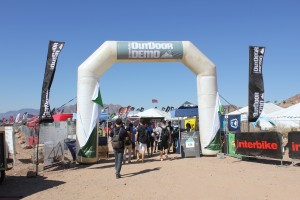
{"type": "Point", "coordinates": [171, 141]}
{"type": "Point", "coordinates": [150, 141]}
{"type": "Point", "coordinates": [163, 140]}
{"type": "Point", "coordinates": [142, 138]}
{"type": "Point", "coordinates": [118, 134]}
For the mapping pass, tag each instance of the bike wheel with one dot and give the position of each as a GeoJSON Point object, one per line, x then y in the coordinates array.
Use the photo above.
{"type": "Point", "coordinates": [2, 175]}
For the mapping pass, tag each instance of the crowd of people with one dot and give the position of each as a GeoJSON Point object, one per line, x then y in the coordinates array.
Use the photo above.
{"type": "Point", "coordinates": [141, 141]}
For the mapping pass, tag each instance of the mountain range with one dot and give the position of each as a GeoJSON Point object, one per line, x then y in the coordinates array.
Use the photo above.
{"type": "Point", "coordinates": [66, 109]}
{"type": "Point", "coordinates": [115, 108]}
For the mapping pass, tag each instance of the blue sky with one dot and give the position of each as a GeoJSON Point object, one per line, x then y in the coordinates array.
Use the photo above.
{"type": "Point", "coordinates": [222, 30]}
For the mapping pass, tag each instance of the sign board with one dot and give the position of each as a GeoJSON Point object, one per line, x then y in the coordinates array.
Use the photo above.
{"type": "Point", "coordinates": [10, 142]}
{"type": "Point", "coordinates": [52, 135]}
{"type": "Point", "coordinates": [265, 144]}
{"type": "Point", "coordinates": [223, 124]}
{"type": "Point", "coordinates": [234, 123]}
{"type": "Point", "coordinates": [231, 145]}
{"type": "Point", "coordinates": [149, 50]}
{"type": "Point", "coordinates": [190, 144]}
{"type": "Point", "coordinates": [192, 122]}
{"type": "Point", "coordinates": [294, 144]}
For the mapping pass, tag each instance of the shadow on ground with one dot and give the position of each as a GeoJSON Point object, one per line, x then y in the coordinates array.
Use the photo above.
{"type": "Point", "coordinates": [141, 172]}
{"type": "Point", "coordinates": [13, 187]}
{"type": "Point", "coordinates": [265, 161]}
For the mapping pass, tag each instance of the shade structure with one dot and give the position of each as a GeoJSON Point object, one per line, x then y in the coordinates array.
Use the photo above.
{"type": "Point", "coordinates": [154, 113]}
{"type": "Point", "coordinates": [187, 109]}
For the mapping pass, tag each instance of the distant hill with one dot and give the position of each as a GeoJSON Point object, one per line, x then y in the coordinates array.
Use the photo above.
{"type": "Point", "coordinates": [285, 103]}
{"type": "Point", "coordinates": [115, 108]}
{"type": "Point", "coordinates": [290, 101]}
{"type": "Point", "coordinates": [229, 108]}
{"type": "Point", "coordinates": [66, 109]}
{"type": "Point", "coordinates": [22, 111]}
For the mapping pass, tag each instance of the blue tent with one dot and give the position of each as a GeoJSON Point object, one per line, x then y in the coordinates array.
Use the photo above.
{"type": "Point", "coordinates": [187, 109]}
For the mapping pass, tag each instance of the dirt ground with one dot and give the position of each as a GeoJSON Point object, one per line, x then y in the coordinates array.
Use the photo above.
{"type": "Point", "coordinates": [175, 178]}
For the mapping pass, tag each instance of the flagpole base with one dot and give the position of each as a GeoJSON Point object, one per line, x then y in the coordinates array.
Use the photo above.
{"type": "Point", "coordinates": [84, 160]}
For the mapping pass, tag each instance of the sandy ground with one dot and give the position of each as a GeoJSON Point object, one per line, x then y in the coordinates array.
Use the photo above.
{"type": "Point", "coordinates": [176, 178]}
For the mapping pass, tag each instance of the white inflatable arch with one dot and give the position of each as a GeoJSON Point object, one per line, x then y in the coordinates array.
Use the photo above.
{"type": "Point", "coordinates": [110, 52]}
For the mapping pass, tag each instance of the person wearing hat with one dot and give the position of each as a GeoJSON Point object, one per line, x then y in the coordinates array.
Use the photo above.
{"type": "Point", "coordinates": [118, 152]}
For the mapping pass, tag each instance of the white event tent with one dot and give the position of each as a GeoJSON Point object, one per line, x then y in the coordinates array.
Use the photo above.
{"type": "Point", "coordinates": [287, 117]}
{"type": "Point", "coordinates": [268, 108]}
{"type": "Point", "coordinates": [274, 115]}
{"type": "Point", "coordinates": [154, 113]}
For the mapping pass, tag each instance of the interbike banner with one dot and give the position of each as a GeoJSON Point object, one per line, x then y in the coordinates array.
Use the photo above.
{"type": "Point", "coordinates": [149, 50]}
{"type": "Point", "coordinates": [53, 51]}
{"type": "Point", "coordinates": [265, 144]}
{"type": "Point", "coordinates": [294, 144]}
{"type": "Point", "coordinates": [234, 123]}
{"type": "Point", "coordinates": [256, 83]}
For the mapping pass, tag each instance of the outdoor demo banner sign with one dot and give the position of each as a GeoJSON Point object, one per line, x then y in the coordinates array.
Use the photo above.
{"type": "Point", "coordinates": [265, 144]}
{"type": "Point", "coordinates": [256, 83]}
{"type": "Point", "coordinates": [294, 144]}
{"type": "Point", "coordinates": [53, 51]}
{"type": "Point", "coordinates": [149, 50]}
{"type": "Point", "coordinates": [234, 123]}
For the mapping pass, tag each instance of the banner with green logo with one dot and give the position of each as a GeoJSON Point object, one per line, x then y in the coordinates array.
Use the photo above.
{"type": "Point", "coordinates": [231, 145]}
{"type": "Point", "coordinates": [149, 50]}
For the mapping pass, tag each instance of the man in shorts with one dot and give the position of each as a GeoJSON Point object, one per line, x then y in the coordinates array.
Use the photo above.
{"type": "Point", "coordinates": [163, 141]}
{"type": "Point", "coordinates": [141, 137]}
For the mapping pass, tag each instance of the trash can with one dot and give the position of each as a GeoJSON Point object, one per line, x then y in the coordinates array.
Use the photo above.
{"type": "Point", "coordinates": [190, 144]}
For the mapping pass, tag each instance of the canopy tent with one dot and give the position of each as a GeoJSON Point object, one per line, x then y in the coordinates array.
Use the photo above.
{"type": "Point", "coordinates": [133, 113]}
{"type": "Point", "coordinates": [273, 115]}
{"type": "Point", "coordinates": [287, 117]}
{"type": "Point", "coordinates": [154, 113]}
{"type": "Point", "coordinates": [268, 108]}
{"type": "Point", "coordinates": [292, 112]}
{"type": "Point", "coordinates": [187, 109]}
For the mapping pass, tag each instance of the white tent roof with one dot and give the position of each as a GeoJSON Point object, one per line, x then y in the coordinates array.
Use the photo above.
{"type": "Point", "coordinates": [292, 112]}
{"type": "Point", "coordinates": [268, 108]}
{"type": "Point", "coordinates": [133, 113]}
{"type": "Point", "coordinates": [154, 113]}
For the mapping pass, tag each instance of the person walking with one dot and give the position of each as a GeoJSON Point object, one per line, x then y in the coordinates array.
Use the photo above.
{"type": "Point", "coordinates": [156, 136]}
{"type": "Point", "coordinates": [128, 146]}
{"type": "Point", "coordinates": [163, 140]}
{"type": "Point", "coordinates": [150, 141]}
{"type": "Point", "coordinates": [118, 134]}
{"type": "Point", "coordinates": [171, 129]}
{"type": "Point", "coordinates": [142, 138]}
{"type": "Point", "coordinates": [133, 132]}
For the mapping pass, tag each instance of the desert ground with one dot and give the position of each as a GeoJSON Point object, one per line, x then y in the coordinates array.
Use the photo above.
{"type": "Point", "coordinates": [204, 177]}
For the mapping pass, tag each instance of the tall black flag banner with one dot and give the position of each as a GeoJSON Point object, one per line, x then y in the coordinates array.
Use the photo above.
{"type": "Point", "coordinates": [256, 83]}
{"type": "Point", "coordinates": [53, 51]}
